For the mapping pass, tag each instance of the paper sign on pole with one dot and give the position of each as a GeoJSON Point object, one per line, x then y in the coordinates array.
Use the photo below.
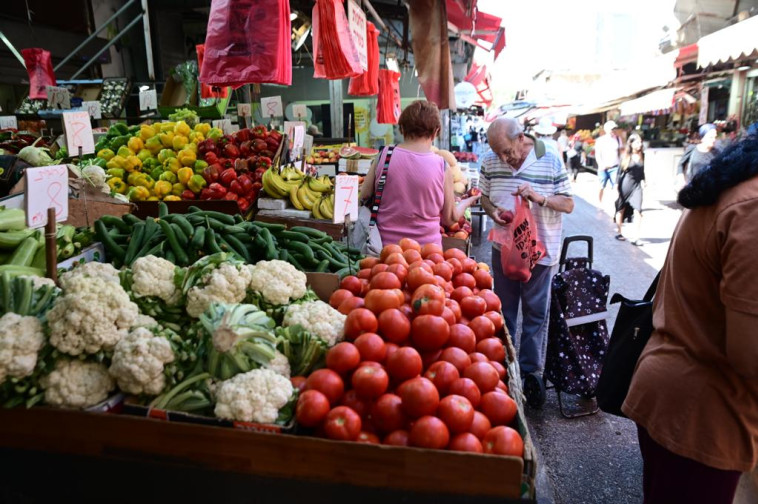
{"type": "Point", "coordinates": [78, 132]}
{"type": "Point", "coordinates": [8, 122]}
{"type": "Point", "coordinates": [345, 198]}
{"type": "Point", "coordinates": [224, 125]}
{"type": "Point", "coordinates": [93, 108]}
{"type": "Point", "coordinates": [148, 100]}
{"type": "Point", "coordinates": [46, 187]}
{"type": "Point", "coordinates": [299, 110]}
{"type": "Point", "coordinates": [243, 109]}
{"type": "Point", "coordinates": [308, 144]}
{"type": "Point", "coordinates": [295, 131]}
{"type": "Point", "coordinates": [356, 19]}
{"type": "Point", "coordinates": [58, 97]}
{"type": "Point", "coordinates": [272, 106]}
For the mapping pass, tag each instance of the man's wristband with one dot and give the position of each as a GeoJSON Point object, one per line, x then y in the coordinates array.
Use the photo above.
{"type": "Point", "coordinates": [544, 202]}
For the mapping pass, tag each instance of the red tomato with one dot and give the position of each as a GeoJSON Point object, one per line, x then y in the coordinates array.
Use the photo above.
{"type": "Point", "coordinates": [418, 277]}
{"type": "Point", "coordinates": [350, 304]}
{"type": "Point", "coordinates": [385, 280]}
{"type": "Point", "coordinates": [442, 374]}
{"type": "Point", "coordinates": [421, 264]}
{"type": "Point", "coordinates": [429, 249]}
{"type": "Point", "coordinates": [478, 357]}
{"type": "Point", "coordinates": [501, 371]}
{"type": "Point", "coordinates": [371, 347]}
{"type": "Point", "coordinates": [399, 270]}
{"type": "Point", "coordinates": [338, 296]}
{"type": "Point", "coordinates": [343, 424]}
{"type": "Point", "coordinates": [378, 300]}
{"type": "Point", "coordinates": [298, 382]}
{"type": "Point", "coordinates": [368, 437]}
{"type": "Point", "coordinates": [364, 287]}
{"type": "Point", "coordinates": [473, 306]}
{"type": "Point", "coordinates": [420, 397]}
{"type": "Point", "coordinates": [379, 268]}
{"type": "Point", "coordinates": [404, 363]}
{"type": "Point", "coordinates": [484, 375]}
{"type": "Point", "coordinates": [364, 274]}
{"type": "Point", "coordinates": [448, 315]}
{"type": "Point", "coordinates": [492, 300]}
{"type": "Point", "coordinates": [312, 407]}
{"type": "Point", "coordinates": [370, 381]}
{"type": "Point", "coordinates": [396, 259]}
{"type": "Point", "coordinates": [360, 405]}
{"type": "Point", "coordinates": [502, 386]}
{"type": "Point", "coordinates": [503, 441]}
{"type": "Point", "coordinates": [463, 280]}
{"type": "Point", "coordinates": [394, 326]}
{"type": "Point", "coordinates": [409, 244]}
{"type": "Point", "coordinates": [456, 357]}
{"type": "Point", "coordinates": [483, 327]}
{"type": "Point", "coordinates": [499, 408]}
{"type": "Point", "coordinates": [466, 388]}
{"type": "Point", "coordinates": [428, 300]}
{"type": "Point", "coordinates": [462, 337]}
{"type": "Point", "coordinates": [387, 413]}
{"type": "Point", "coordinates": [411, 256]}
{"type": "Point", "coordinates": [343, 357]}
{"type": "Point", "coordinates": [465, 442]}
{"type": "Point", "coordinates": [396, 438]}
{"type": "Point", "coordinates": [370, 364]}
{"type": "Point", "coordinates": [469, 265]}
{"type": "Point", "coordinates": [368, 262]}
{"type": "Point", "coordinates": [455, 307]}
{"type": "Point", "coordinates": [461, 293]}
{"type": "Point", "coordinates": [457, 413]}
{"type": "Point", "coordinates": [328, 383]}
{"type": "Point", "coordinates": [435, 258]}
{"type": "Point", "coordinates": [483, 279]}
{"type": "Point", "coordinates": [429, 332]}
{"type": "Point", "coordinates": [429, 432]}
{"type": "Point", "coordinates": [360, 321]}
{"type": "Point", "coordinates": [391, 347]}
{"type": "Point", "coordinates": [352, 284]}
{"type": "Point", "coordinates": [430, 357]}
{"type": "Point", "coordinates": [457, 266]}
{"type": "Point", "coordinates": [454, 253]}
{"type": "Point", "coordinates": [497, 320]}
{"type": "Point", "coordinates": [389, 249]}
{"type": "Point", "coordinates": [407, 311]}
{"type": "Point", "coordinates": [481, 425]}
{"type": "Point", "coordinates": [493, 348]}
{"type": "Point", "coordinates": [443, 269]}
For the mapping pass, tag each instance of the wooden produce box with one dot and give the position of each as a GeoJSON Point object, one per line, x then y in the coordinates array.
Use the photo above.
{"type": "Point", "coordinates": [449, 242]}
{"type": "Point", "coordinates": [281, 217]}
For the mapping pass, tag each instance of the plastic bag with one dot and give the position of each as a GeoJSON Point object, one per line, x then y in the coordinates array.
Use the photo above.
{"type": "Point", "coordinates": [521, 247]}
{"type": "Point", "coordinates": [40, 69]}
{"type": "Point", "coordinates": [367, 84]}
{"type": "Point", "coordinates": [388, 102]}
{"type": "Point", "coordinates": [207, 91]}
{"type": "Point", "coordinates": [335, 54]}
{"type": "Point", "coordinates": [247, 41]}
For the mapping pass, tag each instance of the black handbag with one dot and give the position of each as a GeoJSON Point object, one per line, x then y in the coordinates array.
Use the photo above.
{"type": "Point", "coordinates": [632, 330]}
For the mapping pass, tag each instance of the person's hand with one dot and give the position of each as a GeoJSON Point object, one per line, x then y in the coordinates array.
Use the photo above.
{"type": "Point", "coordinates": [502, 217]}
{"type": "Point", "coordinates": [467, 202]}
{"type": "Point", "coordinates": [525, 191]}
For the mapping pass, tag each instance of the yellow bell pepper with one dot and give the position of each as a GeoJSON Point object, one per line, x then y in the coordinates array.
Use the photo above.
{"type": "Point", "coordinates": [157, 128]}
{"type": "Point", "coordinates": [138, 193]}
{"type": "Point", "coordinates": [133, 163]}
{"type": "Point", "coordinates": [117, 185]}
{"type": "Point", "coordinates": [168, 176]}
{"type": "Point", "coordinates": [177, 189]}
{"type": "Point", "coordinates": [187, 157]}
{"type": "Point", "coordinates": [184, 175]}
{"type": "Point", "coordinates": [179, 142]}
{"type": "Point", "coordinates": [124, 151]}
{"type": "Point", "coordinates": [146, 181]}
{"type": "Point", "coordinates": [172, 164]}
{"type": "Point", "coordinates": [106, 154]}
{"type": "Point", "coordinates": [153, 198]}
{"type": "Point", "coordinates": [143, 155]}
{"type": "Point", "coordinates": [167, 139]}
{"type": "Point", "coordinates": [146, 132]}
{"type": "Point", "coordinates": [135, 145]}
{"type": "Point", "coordinates": [116, 162]}
{"type": "Point", "coordinates": [203, 128]}
{"type": "Point", "coordinates": [196, 137]}
{"type": "Point", "coordinates": [214, 133]}
{"type": "Point", "coordinates": [166, 154]}
{"type": "Point", "coordinates": [192, 147]}
{"type": "Point", "coordinates": [162, 188]}
{"type": "Point", "coordinates": [167, 126]}
{"type": "Point", "coordinates": [154, 145]}
{"type": "Point", "coordinates": [172, 197]}
{"type": "Point", "coordinates": [134, 177]}
{"type": "Point", "coordinates": [182, 128]}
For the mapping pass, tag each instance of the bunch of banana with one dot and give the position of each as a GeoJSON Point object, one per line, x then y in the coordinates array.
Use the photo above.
{"type": "Point", "coordinates": [324, 207]}
{"type": "Point", "coordinates": [276, 186]}
{"type": "Point", "coordinates": [309, 192]}
{"type": "Point", "coordinates": [320, 184]}
{"type": "Point", "coordinates": [292, 174]}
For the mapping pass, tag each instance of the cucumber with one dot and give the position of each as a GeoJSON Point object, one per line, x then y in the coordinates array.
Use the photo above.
{"type": "Point", "coordinates": [198, 239]}
{"type": "Point", "coordinates": [303, 249]}
{"type": "Point", "coordinates": [291, 259]}
{"type": "Point", "coordinates": [270, 226]}
{"type": "Point", "coordinates": [323, 266]}
{"type": "Point", "coordinates": [135, 243]}
{"type": "Point", "coordinates": [111, 247]}
{"type": "Point", "coordinates": [293, 235]}
{"type": "Point", "coordinates": [211, 245]}
{"type": "Point", "coordinates": [315, 233]}
{"type": "Point", "coordinates": [180, 236]}
{"type": "Point", "coordinates": [271, 252]}
{"type": "Point", "coordinates": [110, 221]}
{"type": "Point", "coordinates": [184, 224]}
{"type": "Point", "coordinates": [176, 248]}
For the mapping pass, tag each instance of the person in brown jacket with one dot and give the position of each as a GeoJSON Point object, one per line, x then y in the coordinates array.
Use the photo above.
{"type": "Point", "coordinates": [694, 394]}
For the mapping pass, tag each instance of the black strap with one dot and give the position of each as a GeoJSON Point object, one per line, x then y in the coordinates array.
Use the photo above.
{"type": "Point", "coordinates": [380, 187]}
{"type": "Point", "coordinates": [651, 290]}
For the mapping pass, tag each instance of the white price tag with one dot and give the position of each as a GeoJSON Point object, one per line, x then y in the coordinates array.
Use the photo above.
{"type": "Point", "coordinates": [272, 106]}
{"type": "Point", "coordinates": [58, 98]}
{"type": "Point", "coordinates": [345, 198]}
{"type": "Point", "coordinates": [308, 144]}
{"type": "Point", "coordinates": [46, 187]}
{"type": "Point", "coordinates": [243, 109]}
{"type": "Point", "coordinates": [224, 125]}
{"type": "Point", "coordinates": [299, 110]}
{"type": "Point", "coordinates": [356, 19]}
{"type": "Point", "coordinates": [8, 122]}
{"type": "Point", "coordinates": [78, 132]}
{"type": "Point", "coordinates": [296, 134]}
{"type": "Point", "coordinates": [93, 109]}
{"type": "Point", "coordinates": [148, 100]}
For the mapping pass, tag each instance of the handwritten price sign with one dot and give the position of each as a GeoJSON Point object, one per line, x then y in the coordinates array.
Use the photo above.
{"type": "Point", "coordinates": [299, 110]}
{"type": "Point", "coordinates": [78, 132]}
{"type": "Point", "coordinates": [271, 106]}
{"type": "Point", "coordinates": [148, 100]}
{"type": "Point", "coordinates": [46, 187]}
{"type": "Point", "coordinates": [8, 122]}
{"type": "Point", "coordinates": [345, 198]}
{"type": "Point", "coordinates": [58, 98]}
{"type": "Point", "coordinates": [243, 109]}
{"type": "Point", "coordinates": [357, 22]}
{"type": "Point", "coordinates": [93, 108]}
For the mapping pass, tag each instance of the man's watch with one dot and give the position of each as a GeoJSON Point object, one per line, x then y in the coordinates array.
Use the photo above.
{"type": "Point", "coordinates": [544, 202]}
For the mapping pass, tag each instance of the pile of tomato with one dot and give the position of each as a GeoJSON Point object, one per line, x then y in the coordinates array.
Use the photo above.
{"type": "Point", "coordinates": [423, 360]}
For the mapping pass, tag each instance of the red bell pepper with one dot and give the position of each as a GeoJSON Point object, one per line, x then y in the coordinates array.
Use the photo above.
{"type": "Point", "coordinates": [227, 176]}
{"type": "Point", "coordinates": [272, 144]}
{"type": "Point", "coordinates": [230, 196]}
{"type": "Point", "coordinates": [188, 195]}
{"type": "Point", "coordinates": [264, 162]}
{"type": "Point", "coordinates": [266, 153]}
{"type": "Point", "coordinates": [275, 135]}
{"type": "Point", "coordinates": [217, 191]}
{"type": "Point", "coordinates": [231, 151]}
{"type": "Point", "coordinates": [243, 135]}
{"type": "Point", "coordinates": [259, 144]}
{"type": "Point", "coordinates": [258, 174]}
{"type": "Point", "coordinates": [235, 187]}
{"type": "Point", "coordinates": [206, 146]}
{"type": "Point", "coordinates": [259, 131]}
{"type": "Point", "coordinates": [243, 204]}
{"type": "Point", "coordinates": [246, 182]}
{"type": "Point", "coordinates": [252, 162]}
{"type": "Point", "coordinates": [206, 194]}
{"type": "Point", "coordinates": [225, 163]}
{"type": "Point", "coordinates": [240, 165]}
{"type": "Point", "coordinates": [212, 173]}
{"type": "Point", "coordinates": [256, 188]}
{"type": "Point", "coordinates": [246, 148]}
{"type": "Point", "coordinates": [211, 157]}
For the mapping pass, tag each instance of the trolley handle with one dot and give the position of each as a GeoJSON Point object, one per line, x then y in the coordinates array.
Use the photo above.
{"type": "Point", "coordinates": [577, 238]}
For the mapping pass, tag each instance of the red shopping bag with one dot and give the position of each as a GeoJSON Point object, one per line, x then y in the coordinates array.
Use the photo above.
{"type": "Point", "coordinates": [388, 102]}
{"type": "Point", "coordinates": [335, 54]}
{"type": "Point", "coordinates": [40, 69]}
{"type": "Point", "coordinates": [247, 41]}
{"type": "Point", "coordinates": [367, 84]}
{"type": "Point", "coordinates": [526, 248]}
{"type": "Point", "coordinates": [207, 91]}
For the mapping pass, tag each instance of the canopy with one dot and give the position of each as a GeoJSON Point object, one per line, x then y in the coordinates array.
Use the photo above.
{"type": "Point", "coordinates": [729, 44]}
{"type": "Point", "coordinates": [662, 99]}
{"type": "Point", "coordinates": [476, 27]}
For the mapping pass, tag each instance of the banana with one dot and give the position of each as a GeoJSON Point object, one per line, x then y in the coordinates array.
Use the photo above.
{"type": "Point", "coordinates": [269, 186]}
{"type": "Point", "coordinates": [305, 199]}
{"type": "Point", "coordinates": [315, 210]}
{"type": "Point", "coordinates": [325, 208]}
{"type": "Point", "coordinates": [326, 180]}
{"type": "Point", "coordinates": [318, 185]}
{"type": "Point", "coordinates": [280, 185]}
{"type": "Point", "coordinates": [294, 199]}
{"type": "Point", "coordinates": [312, 195]}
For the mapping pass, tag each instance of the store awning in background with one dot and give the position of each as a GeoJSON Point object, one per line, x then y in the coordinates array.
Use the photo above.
{"type": "Point", "coordinates": [729, 44]}
{"type": "Point", "coordinates": [476, 27]}
{"type": "Point", "coordinates": [687, 54]}
{"type": "Point", "coordinates": [480, 78]}
{"type": "Point", "coordinates": [657, 101]}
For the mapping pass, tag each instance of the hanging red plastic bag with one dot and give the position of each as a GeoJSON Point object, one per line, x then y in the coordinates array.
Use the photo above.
{"type": "Point", "coordinates": [367, 84]}
{"type": "Point", "coordinates": [40, 69]}
{"type": "Point", "coordinates": [335, 54]}
{"type": "Point", "coordinates": [207, 91]}
{"type": "Point", "coordinates": [388, 102]}
{"type": "Point", "coordinates": [522, 248]}
{"type": "Point", "coordinates": [247, 41]}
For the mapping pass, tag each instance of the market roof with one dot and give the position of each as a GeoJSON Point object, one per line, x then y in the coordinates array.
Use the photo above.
{"type": "Point", "coordinates": [729, 44]}
{"type": "Point", "coordinates": [662, 99]}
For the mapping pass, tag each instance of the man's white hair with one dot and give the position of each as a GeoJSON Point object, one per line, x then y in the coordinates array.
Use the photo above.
{"type": "Point", "coordinates": [505, 126]}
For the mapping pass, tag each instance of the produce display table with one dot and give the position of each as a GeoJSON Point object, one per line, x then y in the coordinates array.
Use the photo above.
{"type": "Point", "coordinates": [285, 217]}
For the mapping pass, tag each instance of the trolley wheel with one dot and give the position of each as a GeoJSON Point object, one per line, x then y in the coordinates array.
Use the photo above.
{"type": "Point", "coordinates": [534, 390]}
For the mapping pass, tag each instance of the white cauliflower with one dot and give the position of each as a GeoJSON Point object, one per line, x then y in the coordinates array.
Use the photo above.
{"type": "Point", "coordinates": [154, 276]}
{"type": "Point", "coordinates": [278, 282]}
{"type": "Point", "coordinates": [92, 315]}
{"type": "Point", "coordinates": [77, 384]}
{"type": "Point", "coordinates": [255, 396]}
{"type": "Point", "coordinates": [143, 320]}
{"type": "Point", "coordinates": [225, 284]}
{"type": "Point", "coordinates": [95, 174]}
{"type": "Point", "coordinates": [93, 269]}
{"type": "Point", "coordinates": [279, 364]}
{"type": "Point", "coordinates": [138, 362]}
{"type": "Point", "coordinates": [318, 318]}
{"type": "Point", "coordinates": [38, 282]}
{"type": "Point", "coordinates": [20, 340]}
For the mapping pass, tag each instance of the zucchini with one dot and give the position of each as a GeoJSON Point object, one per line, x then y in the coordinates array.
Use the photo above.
{"type": "Point", "coordinates": [24, 254]}
{"type": "Point", "coordinates": [12, 239]}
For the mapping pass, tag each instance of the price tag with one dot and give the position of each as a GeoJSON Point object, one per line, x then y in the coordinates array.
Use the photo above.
{"type": "Point", "coordinates": [78, 132]}
{"type": "Point", "coordinates": [296, 134]}
{"type": "Point", "coordinates": [46, 187]}
{"type": "Point", "coordinates": [308, 144]}
{"type": "Point", "coordinates": [345, 198]}
{"type": "Point", "coordinates": [93, 109]}
{"type": "Point", "coordinates": [299, 110]}
{"type": "Point", "coordinates": [148, 100]}
{"type": "Point", "coordinates": [356, 20]}
{"type": "Point", "coordinates": [58, 98]}
{"type": "Point", "coordinates": [8, 122]}
{"type": "Point", "coordinates": [224, 125]}
{"type": "Point", "coordinates": [272, 106]}
{"type": "Point", "coordinates": [243, 109]}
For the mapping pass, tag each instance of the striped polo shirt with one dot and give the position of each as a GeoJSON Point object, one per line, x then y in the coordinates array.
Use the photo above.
{"type": "Point", "coordinates": [547, 176]}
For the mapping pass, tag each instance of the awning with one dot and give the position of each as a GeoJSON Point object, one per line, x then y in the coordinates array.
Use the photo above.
{"type": "Point", "coordinates": [729, 44]}
{"type": "Point", "coordinates": [476, 27]}
{"type": "Point", "coordinates": [479, 77]}
{"type": "Point", "coordinates": [687, 54]}
{"type": "Point", "coordinates": [657, 101]}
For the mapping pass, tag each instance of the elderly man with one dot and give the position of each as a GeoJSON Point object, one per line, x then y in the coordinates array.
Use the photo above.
{"type": "Point", "coordinates": [514, 168]}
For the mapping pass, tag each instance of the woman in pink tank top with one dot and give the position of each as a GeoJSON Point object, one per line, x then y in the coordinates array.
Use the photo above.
{"type": "Point", "coordinates": [418, 193]}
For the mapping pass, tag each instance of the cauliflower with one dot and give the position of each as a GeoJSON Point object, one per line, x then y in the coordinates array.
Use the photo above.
{"type": "Point", "coordinates": [20, 340]}
{"type": "Point", "coordinates": [318, 318]}
{"type": "Point", "coordinates": [138, 362]}
{"type": "Point", "coordinates": [93, 269]}
{"type": "Point", "coordinates": [143, 320]}
{"type": "Point", "coordinates": [154, 276]}
{"type": "Point", "coordinates": [278, 282]}
{"type": "Point", "coordinates": [77, 384]}
{"type": "Point", "coordinates": [39, 282]}
{"type": "Point", "coordinates": [255, 396]}
{"type": "Point", "coordinates": [92, 315]}
{"type": "Point", "coordinates": [279, 364]}
{"type": "Point", "coordinates": [95, 174]}
{"type": "Point", "coordinates": [226, 284]}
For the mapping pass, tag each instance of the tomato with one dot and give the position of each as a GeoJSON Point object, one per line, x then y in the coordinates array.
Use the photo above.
{"type": "Point", "coordinates": [343, 424]}
{"type": "Point", "coordinates": [466, 388]}
{"type": "Point", "coordinates": [338, 296]}
{"type": "Point", "coordinates": [364, 274]}
{"type": "Point", "coordinates": [409, 244]}
{"type": "Point", "coordinates": [497, 320]}
{"type": "Point", "coordinates": [370, 381]}
{"type": "Point", "coordinates": [493, 348]}
{"type": "Point", "coordinates": [364, 287]}
{"type": "Point", "coordinates": [443, 269]}
{"type": "Point", "coordinates": [469, 265]}
{"type": "Point", "coordinates": [360, 321]}
{"type": "Point", "coordinates": [429, 432]}
{"type": "Point", "coordinates": [428, 300]}
{"type": "Point", "coordinates": [502, 386]}
{"type": "Point", "coordinates": [462, 337]}
{"type": "Point", "coordinates": [481, 425]}
{"type": "Point", "coordinates": [442, 374]}
{"type": "Point", "coordinates": [420, 397]}
{"type": "Point", "coordinates": [429, 249]}
{"type": "Point", "coordinates": [352, 284]}
{"type": "Point", "coordinates": [457, 413]}
{"type": "Point", "coordinates": [483, 327]}
{"type": "Point", "coordinates": [298, 382]}
{"type": "Point", "coordinates": [389, 249]}
{"type": "Point", "coordinates": [456, 357]}
{"type": "Point", "coordinates": [368, 262]}
{"type": "Point", "coordinates": [483, 279]}
{"type": "Point", "coordinates": [387, 413]}
{"type": "Point", "coordinates": [501, 371]}
{"type": "Point", "coordinates": [454, 253]}
{"type": "Point", "coordinates": [421, 264]}
{"type": "Point", "coordinates": [404, 363]}
{"type": "Point", "coordinates": [368, 437]}
{"type": "Point", "coordinates": [499, 408]}
{"type": "Point", "coordinates": [391, 347]}
{"type": "Point", "coordinates": [328, 383]}
{"type": "Point", "coordinates": [473, 306]}
{"type": "Point", "coordinates": [394, 326]}
{"type": "Point", "coordinates": [478, 357]}
{"type": "Point", "coordinates": [411, 256]}
{"type": "Point", "coordinates": [379, 268]}
{"type": "Point", "coordinates": [463, 280]}
{"type": "Point", "coordinates": [396, 438]}
{"type": "Point", "coordinates": [492, 300]}
{"type": "Point", "coordinates": [396, 259]}
{"type": "Point", "coordinates": [407, 311]}
{"type": "Point", "coordinates": [351, 304]}
{"type": "Point", "coordinates": [371, 347]}
{"type": "Point", "coordinates": [503, 441]}
{"type": "Point", "coordinates": [430, 357]}
{"type": "Point", "coordinates": [418, 277]}
{"type": "Point", "coordinates": [360, 405]}
{"type": "Point", "coordinates": [399, 270]}
{"type": "Point", "coordinates": [378, 300]}
{"type": "Point", "coordinates": [435, 258]}
{"type": "Point", "coordinates": [312, 407]}
{"type": "Point", "coordinates": [455, 307]}
{"type": "Point", "coordinates": [448, 315]}
{"type": "Point", "coordinates": [385, 280]}
{"type": "Point", "coordinates": [429, 332]}
{"type": "Point", "coordinates": [484, 375]}
{"type": "Point", "coordinates": [343, 357]}
{"type": "Point", "coordinates": [461, 293]}
{"type": "Point", "coordinates": [457, 266]}
{"type": "Point", "coordinates": [465, 442]}
{"type": "Point", "coordinates": [369, 363]}
{"type": "Point", "coordinates": [430, 263]}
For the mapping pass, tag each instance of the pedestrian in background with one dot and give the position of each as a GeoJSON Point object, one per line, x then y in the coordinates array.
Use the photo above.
{"type": "Point", "coordinates": [698, 156]}
{"type": "Point", "coordinates": [630, 184]}
{"type": "Point", "coordinates": [574, 155]}
{"type": "Point", "coordinates": [607, 154]}
{"type": "Point", "coordinates": [563, 145]}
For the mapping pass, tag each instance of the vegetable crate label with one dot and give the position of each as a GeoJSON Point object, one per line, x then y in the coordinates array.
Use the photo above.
{"type": "Point", "coordinates": [46, 187]}
{"type": "Point", "coordinates": [345, 198]}
{"type": "Point", "coordinates": [271, 106]}
{"type": "Point", "coordinates": [58, 98]}
{"type": "Point", "coordinates": [93, 108]}
{"type": "Point", "coordinates": [78, 132]}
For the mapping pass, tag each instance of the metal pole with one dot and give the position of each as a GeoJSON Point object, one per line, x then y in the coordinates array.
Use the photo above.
{"type": "Point", "coordinates": [381, 23]}
{"type": "Point", "coordinates": [93, 35]}
{"type": "Point", "coordinates": [335, 97]}
{"type": "Point", "coordinates": [12, 48]}
{"type": "Point", "coordinates": [108, 45]}
{"type": "Point", "coordinates": [244, 97]}
{"type": "Point", "coordinates": [148, 41]}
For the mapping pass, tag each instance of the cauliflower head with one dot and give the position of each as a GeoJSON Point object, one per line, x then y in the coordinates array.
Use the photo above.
{"type": "Point", "coordinates": [95, 174]}
{"type": "Point", "coordinates": [77, 384]}
{"type": "Point", "coordinates": [138, 362]}
{"type": "Point", "coordinates": [21, 338]}
{"type": "Point", "coordinates": [279, 364]}
{"type": "Point", "coordinates": [104, 271]}
{"type": "Point", "coordinates": [38, 282]}
{"type": "Point", "coordinates": [226, 284]}
{"type": "Point", "coordinates": [92, 315]}
{"type": "Point", "coordinates": [278, 282]}
{"type": "Point", "coordinates": [255, 396]}
{"type": "Point", "coordinates": [318, 318]}
{"type": "Point", "coordinates": [154, 276]}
